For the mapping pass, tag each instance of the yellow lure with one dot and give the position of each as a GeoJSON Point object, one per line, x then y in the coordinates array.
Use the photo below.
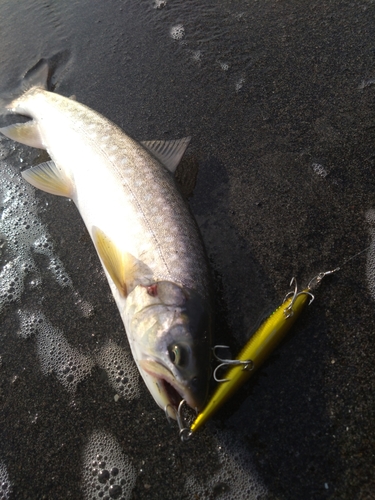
{"type": "Point", "coordinates": [257, 349]}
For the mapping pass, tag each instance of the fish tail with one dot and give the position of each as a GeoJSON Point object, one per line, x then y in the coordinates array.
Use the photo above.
{"type": "Point", "coordinates": [41, 75]}
{"type": "Point", "coordinates": [16, 102]}
{"type": "Point", "coordinates": [37, 76]}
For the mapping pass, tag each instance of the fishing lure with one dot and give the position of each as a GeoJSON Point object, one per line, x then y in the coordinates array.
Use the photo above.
{"type": "Point", "coordinates": [254, 353]}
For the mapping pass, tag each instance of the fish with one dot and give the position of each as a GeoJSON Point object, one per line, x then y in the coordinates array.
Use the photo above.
{"type": "Point", "coordinates": [255, 352]}
{"type": "Point", "coordinates": [146, 238]}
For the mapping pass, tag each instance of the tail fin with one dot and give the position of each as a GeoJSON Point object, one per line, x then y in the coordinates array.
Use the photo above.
{"type": "Point", "coordinates": [44, 74]}
{"type": "Point", "coordinates": [37, 76]}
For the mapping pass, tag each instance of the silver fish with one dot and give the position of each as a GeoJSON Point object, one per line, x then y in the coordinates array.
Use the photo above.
{"type": "Point", "coordinates": [144, 234]}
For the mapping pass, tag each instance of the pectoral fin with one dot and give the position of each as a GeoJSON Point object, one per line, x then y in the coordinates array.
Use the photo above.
{"type": "Point", "coordinates": [125, 270]}
{"type": "Point", "coordinates": [26, 133]}
{"type": "Point", "coordinates": [169, 153]}
{"type": "Point", "coordinates": [50, 178]}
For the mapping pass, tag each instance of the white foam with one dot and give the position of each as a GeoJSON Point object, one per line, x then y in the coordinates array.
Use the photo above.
{"type": "Point", "coordinates": [57, 356]}
{"type": "Point", "coordinates": [70, 365]}
{"type": "Point", "coordinates": [5, 486]}
{"type": "Point", "coordinates": [224, 66]}
{"type": "Point", "coordinates": [22, 234]}
{"type": "Point", "coordinates": [107, 471]}
{"type": "Point", "coordinates": [197, 56]}
{"type": "Point", "coordinates": [235, 480]}
{"type": "Point", "coordinates": [177, 32]}
{"type": "Point", "coordinates": [44, 246]}
{"type": "Point", "coordinates": [160, 4]}
{"type": "Point", "coordinates": [11, 280]}
{"type": "Point", "coordinates": [29, 322]}
{"type": "Point", "coordinates": [121, 370]}
{"type": "Point", "coordinates": [239, 84]}
{"type": "Point", "coordinates": [86, 308]}
{"type": "Point", "coordinates": [319, 169]}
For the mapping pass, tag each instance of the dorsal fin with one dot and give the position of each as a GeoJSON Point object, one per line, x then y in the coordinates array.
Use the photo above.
{"type": "Point", "coordinates": [169, 153]}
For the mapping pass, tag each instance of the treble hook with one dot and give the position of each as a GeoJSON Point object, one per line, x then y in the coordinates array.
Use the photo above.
{"type": "Point", "coordinates": [185, 432]}
{"type": "Point", "coordinates": [247, 364]}
{"type": "Point", "coordinates": [313, 283]}
{"type": "Point", "coordinates": [288, 311]}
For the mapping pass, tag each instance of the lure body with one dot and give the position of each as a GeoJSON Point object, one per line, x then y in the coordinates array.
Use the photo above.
{"type": "Point", "coordinates": [254, 353]}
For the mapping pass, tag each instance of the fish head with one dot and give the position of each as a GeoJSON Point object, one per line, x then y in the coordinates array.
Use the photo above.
{"type": "Point", "coordinates": [169, 327]}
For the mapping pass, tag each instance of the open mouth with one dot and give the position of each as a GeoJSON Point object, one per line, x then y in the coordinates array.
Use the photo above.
{"type": "Point", "coordinates": [165, 382]}
{"type": "Point", "coordinates": [173, 396]}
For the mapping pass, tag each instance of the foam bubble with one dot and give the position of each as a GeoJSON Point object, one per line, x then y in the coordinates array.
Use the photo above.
{"type": "Point", "coordinates": [44, 246]}
{"type": "Point", "coordinates": [29, 322]}
{"type": "Point", "coordinates": [70, 365]}
{"type": "Point", "coordinates": [122, 372]}
{"type": "Point", "coordinates": [319, 169]}
{"type": "Point", "coordinates": [86, 308]}
{"type": "Point", "coordinates": [57, 356]}
{"type": "Point", "coordinates": [197, 56]}
{"type": "Point", "coordinates": [236, 479]}
{"type": "Point", "coordinates": [5, 150]}
{"type": "Point", "coordinates": [107, 471]}
{"type": "Point", "coordinates": [11, 280]}
{"type": "Point", "coordinates": [224, 65]}
{"type": "Point", "coordinates": [160, 4]}
{"type": "Point", "coordinates": [5, 486]}
{"type": "Point", "coordinates": [177, 32]}
{"type": "Point", "coordinates": [239, 84]}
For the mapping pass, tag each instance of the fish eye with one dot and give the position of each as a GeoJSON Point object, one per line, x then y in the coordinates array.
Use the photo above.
{"type": "Point", "coordinates": [178, 355]}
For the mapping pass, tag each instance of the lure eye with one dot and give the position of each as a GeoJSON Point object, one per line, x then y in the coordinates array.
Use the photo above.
{"type": "Point", "coordinates": [178, 355]}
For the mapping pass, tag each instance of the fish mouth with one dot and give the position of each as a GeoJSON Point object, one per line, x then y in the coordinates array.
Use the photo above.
{"type": "Point", "coordinates": [174, 396]}
{"type": "Point", "coordinates": [171, 393]}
